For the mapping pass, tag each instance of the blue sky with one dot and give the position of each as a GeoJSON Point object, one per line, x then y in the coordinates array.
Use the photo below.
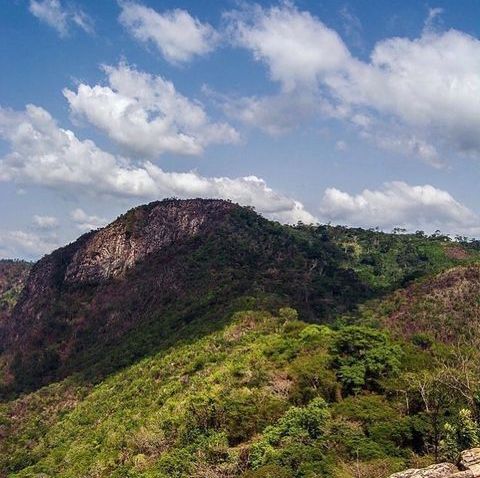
{"type": "Point", "coordinates": [360, 113]}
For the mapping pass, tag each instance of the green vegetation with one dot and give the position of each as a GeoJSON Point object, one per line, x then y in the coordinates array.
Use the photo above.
{"type": "Point", "coordinates": [266, 395]}
{"type": "Point", "coordinates": [235, 401]}
{"type": "Point", "coordinates": [363, 357]}
{"type": "Point", "coordinates": [12, 276]}
{"type": "Point", "coordinates": [322, 271]}
{"type": "Point", "coordinates": [270, 352]}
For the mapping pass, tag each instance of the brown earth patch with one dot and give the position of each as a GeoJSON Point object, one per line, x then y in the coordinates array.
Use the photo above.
{"type": "Point", "coordinates": [456, 252]}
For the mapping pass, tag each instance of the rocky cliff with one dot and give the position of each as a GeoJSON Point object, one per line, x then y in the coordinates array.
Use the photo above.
{"type": "Point", "coordinates": [113, 250]}
{"type": "Point", "coordinates": [107, 254]}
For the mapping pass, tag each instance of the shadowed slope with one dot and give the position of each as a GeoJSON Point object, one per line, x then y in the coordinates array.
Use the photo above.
{"type": "Point", "coordinates": [116, 294]}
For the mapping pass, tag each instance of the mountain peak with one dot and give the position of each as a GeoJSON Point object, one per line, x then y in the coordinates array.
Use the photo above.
{"type": "Point", "coordinates": [130, 275]}
{"type": "Point", "coordinates": [116, 248]}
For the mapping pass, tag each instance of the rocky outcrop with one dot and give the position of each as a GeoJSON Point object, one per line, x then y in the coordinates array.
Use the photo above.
{"type": "Point", "coordinates": [108, 253]}
{"type": "Point", "coordinates": [113, 250]}
{"type": "Point", "coordinates": [441, 470]}
{"type": "Point", "coordinates": [470, 461]}
{"type": "Point", "coordinates": [468, 467]}
{"type": "Point", "coordinates": [81, 290]}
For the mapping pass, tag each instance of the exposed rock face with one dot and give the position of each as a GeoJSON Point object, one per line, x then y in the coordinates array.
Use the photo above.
{"type": "Point", "coordinates": [109, 253]}
{"type": "Point", "coordinates": [113, 250]}
{"type": "Point", "coordinates": [470, 461]}
{"type": "Point", "coordinates": [468, 467]}
{"type": "Point", "coordinates": [81, 288]}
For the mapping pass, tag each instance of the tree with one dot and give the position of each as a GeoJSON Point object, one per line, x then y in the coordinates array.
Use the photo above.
{"type": "Point", "coordinates": [460, 436]}
{"type": "Point", "coordinates": [461, 368]}
{"type": "Point", "coordinates": [427, 388]}
{"type": "Point", "coordinates": [297, 437]}
{"type": "Point", "coordinates": [362, 357]}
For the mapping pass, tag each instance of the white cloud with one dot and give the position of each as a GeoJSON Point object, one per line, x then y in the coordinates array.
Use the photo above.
{"type": "Point", "coordinates": [28, 245]}
{"type": "Point", "coordinates": [430, 85]}
{"type": "Point", "coordinates": [42, 153]}
{"type": "Point", "coordinates": [399, 141]}
{"type": "Point", "coordinates": [83, 21]}
{"type": "Point", "coordinates": [432, 20]}
{"type": "Point", "coordinates": [177, 35]}
{"type": "Point", "coordinates": [427, 88]}
{"type": "Point", "coordinates": [402, 205]}
{"type": "Point", "coordinates": [40, 238]}
{"type": "Point", "coordinates": [352, 26]}
{"type": "Point", "coordinates": [274, 114]}
{"type": "Point", "coordinates": [54, 14]}
{"type": "Point", "coordinates": [45, 222]}
{"type": "Point", "coordinates": [85, 222]}
{"type": "Point", "coordinates": [296, 47]}
{"type": "Point", "coordinates": [145, 114]}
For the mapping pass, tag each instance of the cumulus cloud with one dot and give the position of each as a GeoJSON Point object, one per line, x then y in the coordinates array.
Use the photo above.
{"type": "Point", "coordinates": [428, 87]}
{"type": "Point", "coordinates": [430, 84]}
{"type": "Point", "coordinates": [45, 222]}
{"type": "Point", "coordinates": [54, 14]}
{"type": "Point", "coordinates": [28, 245]}
{"type": "Point", "coordinates": [175, 33]}
{"type": "Point", "coordinates": [146, 115]}
{"type": "Point", "coordinates": [400, 204]}
{"type": "Point", "coordinates": [38, 239]}
{"type": "Point", "coordinates": [297, 48]}
{"type": "Point", "coordinates": [86, 222]}
{"type": "Point", "coordinates": [43, 153]}
{"type": "Point", "coordinates": [275, 114]}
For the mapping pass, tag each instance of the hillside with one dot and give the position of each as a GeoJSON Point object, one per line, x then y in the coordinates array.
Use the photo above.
{"type": "Point", "coordinates": [197, 339]}
{"type": "Point", "coordinates": [117, 294]}
{"type": "Point", "coordinates": [444, 308]}
{"type": "Point", "coordinates": [13, 275]}
{"type": "Point", "coordinates": [197, 409]}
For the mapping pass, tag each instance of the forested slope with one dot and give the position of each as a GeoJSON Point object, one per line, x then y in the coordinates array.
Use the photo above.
{"type": "Point", "coordinates": [195, 338]}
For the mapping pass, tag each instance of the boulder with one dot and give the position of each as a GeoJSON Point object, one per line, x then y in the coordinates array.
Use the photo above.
{"type": "Point", "coordinates": [470, 462]}
{"type": "Point", "coordinates": [440, 470]}
{"type": "Point", "coordinates": [468, 467]}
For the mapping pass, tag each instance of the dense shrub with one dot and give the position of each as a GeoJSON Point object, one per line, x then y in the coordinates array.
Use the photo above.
{"type": "Point", "coordinates": [297, 438]}
{"type": "Point", "coordinates": [363, 357]}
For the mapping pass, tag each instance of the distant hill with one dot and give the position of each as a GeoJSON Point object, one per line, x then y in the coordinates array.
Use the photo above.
{"type": "Point", "coordinates": [445, 307]}
{"type": "Point", "coordinates": [194, 338]}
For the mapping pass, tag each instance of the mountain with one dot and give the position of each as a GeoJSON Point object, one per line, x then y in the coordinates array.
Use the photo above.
{"type": "Point", "coordinates": [195, 338]}
{"type": "Point", "coordinates": [115, 294]}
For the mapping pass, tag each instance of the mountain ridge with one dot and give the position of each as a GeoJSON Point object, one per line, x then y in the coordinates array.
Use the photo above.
{"type": "Point", "coordinates": [194, 338]}
{"type": "Point", "coordinates": [152, 259]}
